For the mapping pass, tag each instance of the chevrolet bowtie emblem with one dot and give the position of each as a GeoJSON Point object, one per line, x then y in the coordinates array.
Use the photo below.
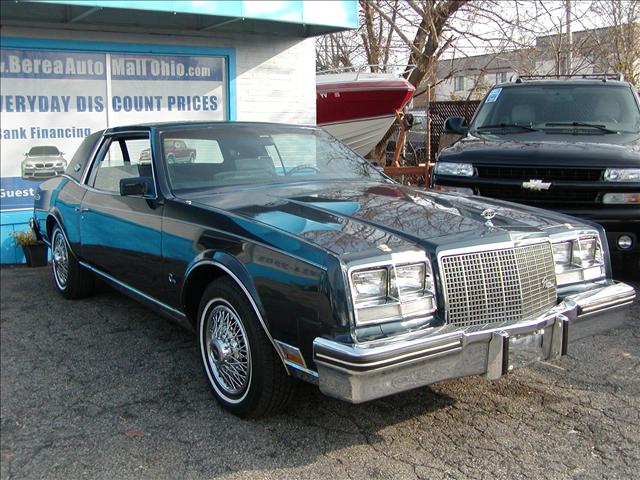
{"type": "Point", "coordinates": [536, 185]}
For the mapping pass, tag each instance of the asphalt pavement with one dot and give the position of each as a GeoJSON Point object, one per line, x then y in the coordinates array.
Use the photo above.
{"type": "Point", "coordinates": [104, 388]}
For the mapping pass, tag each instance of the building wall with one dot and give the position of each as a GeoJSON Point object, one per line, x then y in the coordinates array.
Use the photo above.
{"type": "Point", "coordinates": [446, 90]}
{"type": "Point", "coordinates": [274, 82]}
{"type": "Point", "coordinates": [275, 76]}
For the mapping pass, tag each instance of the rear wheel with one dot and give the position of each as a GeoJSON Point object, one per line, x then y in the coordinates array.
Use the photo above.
{"type": "Point", "coordinates": [244, 372]}
{"type": "Point", "coordinates": [71, 279]}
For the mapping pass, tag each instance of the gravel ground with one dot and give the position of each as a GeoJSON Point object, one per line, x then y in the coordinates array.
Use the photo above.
{"type": "Point", "coordinates": [103, 388]}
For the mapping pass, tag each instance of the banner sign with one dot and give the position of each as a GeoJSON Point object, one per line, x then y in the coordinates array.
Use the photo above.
{"type": "Point", "coordinates": [50, 101]}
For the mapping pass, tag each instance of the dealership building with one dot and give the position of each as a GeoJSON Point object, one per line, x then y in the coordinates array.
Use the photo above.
{"type": "Point", "coordinates": [70, 68]}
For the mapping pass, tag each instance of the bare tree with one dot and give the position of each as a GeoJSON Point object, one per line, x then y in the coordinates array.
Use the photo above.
{"type": "Point", "coordinates": [528, 35]}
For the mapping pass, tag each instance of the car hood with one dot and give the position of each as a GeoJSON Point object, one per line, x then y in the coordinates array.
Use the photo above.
{"type": "Point", "coordinates": [348, 218]}
{"type": "Point", "coordinates": [546, 148]}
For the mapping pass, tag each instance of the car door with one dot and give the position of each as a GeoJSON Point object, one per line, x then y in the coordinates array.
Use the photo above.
{"type": "Point", "coordinates": [121, 235]}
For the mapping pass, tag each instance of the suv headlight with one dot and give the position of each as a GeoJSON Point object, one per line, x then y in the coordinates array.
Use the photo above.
{"type": "Point", "coordinates": [457, 169]}
{"type": "Point", "coordinates": [622, 175]}
{"type": "Point", "coordinates": [578, 260]}
{"type": "Point", "coordinates": [393, 292]}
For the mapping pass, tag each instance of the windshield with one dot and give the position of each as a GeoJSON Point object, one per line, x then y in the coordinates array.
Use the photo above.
{"type": "Point", "coordinates": [42, 151]}
{"type": "Point", "coordinates": [223, 155]}
{"type": "Point", "coordinates": [545, 106]}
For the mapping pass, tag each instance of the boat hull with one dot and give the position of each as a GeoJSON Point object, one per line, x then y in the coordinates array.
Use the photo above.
{"type": "Point", "coordinates": [358, 112]}
{"type": "Point", "coordinates": [360, 135]}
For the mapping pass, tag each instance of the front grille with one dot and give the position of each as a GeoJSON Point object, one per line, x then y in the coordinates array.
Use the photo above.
{"type": "Point", "coordinates": [552, 196]}
{"type": "Point", "coordinates": [540, 173]}
{"type": "Point", "coordinates": [506, 285]}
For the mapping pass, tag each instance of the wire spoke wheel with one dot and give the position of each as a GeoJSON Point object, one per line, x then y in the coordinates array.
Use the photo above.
{"type": "Point", "coordinates": [60, 261]}
{"type": "Point", "coordinates": [227, 347]}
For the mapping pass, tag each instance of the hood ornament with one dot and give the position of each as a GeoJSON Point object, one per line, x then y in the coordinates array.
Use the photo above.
{"type": "Point", "coordinates": [488, 215]}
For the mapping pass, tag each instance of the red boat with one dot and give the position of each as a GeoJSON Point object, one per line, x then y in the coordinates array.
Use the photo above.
{"type": "Point", "coordinates": [359, 107]}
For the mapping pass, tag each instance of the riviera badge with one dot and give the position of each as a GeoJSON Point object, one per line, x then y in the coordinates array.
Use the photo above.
{"type": "Point", "coordinates": [536, 185]}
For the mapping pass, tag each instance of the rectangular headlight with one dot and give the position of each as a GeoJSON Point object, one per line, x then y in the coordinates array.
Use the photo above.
{"type": "Point", "coordinates": [578, 260]}
{"type": "Point", "coordinates": [457, 169]}
{"type": "Point", "coordinates": [562, 253]}
{"type": "Point", "coordinates": [410, 279]}
{"type": "Point", "coordinates": [622, 175]}
{"type": "Point", "coordinates": [370, 285]}
{"type": "Point", "coordinates": [584, 252]}
{"type": "Point", "coordinates": [393, 292]}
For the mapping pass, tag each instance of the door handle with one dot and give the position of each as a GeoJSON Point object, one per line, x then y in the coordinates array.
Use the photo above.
{"type": "Point", "coordinates": [82, 210]}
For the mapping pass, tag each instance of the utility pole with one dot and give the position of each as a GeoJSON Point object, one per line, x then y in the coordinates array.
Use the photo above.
{"type": "Point", "coordinates": [569, 56]}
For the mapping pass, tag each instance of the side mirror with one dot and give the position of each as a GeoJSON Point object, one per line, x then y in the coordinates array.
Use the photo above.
{"type": "Point", "coordinates": [136, 186]}
{"type": "Point", "coordinates": [456, 125]}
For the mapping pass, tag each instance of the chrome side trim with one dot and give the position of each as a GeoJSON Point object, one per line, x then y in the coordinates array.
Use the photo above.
{"type": "Point", "coordinates": [253, 304]}
{"type": "Point", "coordinates": [302, 369]}
{"type": "Point", "coordinates": [133, 290]}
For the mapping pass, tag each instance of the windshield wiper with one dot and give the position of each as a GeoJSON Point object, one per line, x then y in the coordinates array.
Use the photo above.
{"type": "Point", "coordinates": [508, 125]}
{"type": "Point", "coordinates": [602, 128]}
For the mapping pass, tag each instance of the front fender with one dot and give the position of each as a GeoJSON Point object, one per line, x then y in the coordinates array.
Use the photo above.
{"type": "Point", "coordinates": [232, 267]}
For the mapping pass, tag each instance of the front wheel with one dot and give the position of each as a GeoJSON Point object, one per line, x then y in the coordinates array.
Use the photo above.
{"type": "Point", "coordinates": [71, 279]}
{"type": "Point", "coordinates": [244, 372]}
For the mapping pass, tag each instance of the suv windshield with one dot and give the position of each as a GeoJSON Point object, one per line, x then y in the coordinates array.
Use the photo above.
{"type": "Point", "coordinates": [43, 151]}
{"type": "Point", "coordinates": [548, 107]}
{"type": "Point", "coordinates": [250, 154]}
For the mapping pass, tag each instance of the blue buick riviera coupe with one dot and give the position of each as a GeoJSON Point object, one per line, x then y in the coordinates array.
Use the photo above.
{"type": "Point", "coordinates": [292, 258]}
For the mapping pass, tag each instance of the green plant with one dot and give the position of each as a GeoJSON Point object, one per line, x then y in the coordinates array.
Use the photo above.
{"type": "Point", "coordinates": [25, 238]}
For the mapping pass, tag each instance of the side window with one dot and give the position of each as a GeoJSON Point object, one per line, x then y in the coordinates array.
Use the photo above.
{"type": "Point", "coordinates": [124, 158]}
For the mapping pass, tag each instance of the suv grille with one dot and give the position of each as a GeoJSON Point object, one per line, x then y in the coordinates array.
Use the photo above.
{"type": "Point", "coordinates": [541, 173]}
{"type": "Point", "coordinates": [559, 196]}
{"type": "Point", "coordinates": [497, 286]}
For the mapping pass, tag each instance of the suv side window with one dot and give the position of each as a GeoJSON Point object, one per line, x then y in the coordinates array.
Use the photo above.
{"type": "Point", "coordinates": [124, 158]}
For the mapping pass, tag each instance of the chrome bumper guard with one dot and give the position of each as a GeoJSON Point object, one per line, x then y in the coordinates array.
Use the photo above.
{"type": "Point", "coordinates": [358, 373]}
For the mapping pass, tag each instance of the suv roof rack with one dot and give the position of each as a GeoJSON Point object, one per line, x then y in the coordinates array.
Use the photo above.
{"type": "Point", "coordinates": [594, 76]}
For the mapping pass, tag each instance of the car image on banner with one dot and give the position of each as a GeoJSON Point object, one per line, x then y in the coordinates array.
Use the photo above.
{"type": "Point", "coordinates": [51, 100]}
{"type": "Point", "coordinates": [42, 162]}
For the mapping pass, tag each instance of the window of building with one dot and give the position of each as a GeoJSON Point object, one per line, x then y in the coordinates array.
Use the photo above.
{"type": "Point", "coordinates": [458, 83]}
{"type": "Point", "coordinates": [501, 77]}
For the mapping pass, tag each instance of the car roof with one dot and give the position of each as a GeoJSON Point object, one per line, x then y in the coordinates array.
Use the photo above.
{"type": "Point", "coordinates": [142, 127]}
{"type": "Point", "coordinates": [561, 81]}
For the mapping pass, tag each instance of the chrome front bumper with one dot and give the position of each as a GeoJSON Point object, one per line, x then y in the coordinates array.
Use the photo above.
{"type": "Point", "coordinates": [358, 373]}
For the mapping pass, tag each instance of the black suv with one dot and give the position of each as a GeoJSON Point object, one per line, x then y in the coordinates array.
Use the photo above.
{"type": "Point", "coordinates": [571, 145]}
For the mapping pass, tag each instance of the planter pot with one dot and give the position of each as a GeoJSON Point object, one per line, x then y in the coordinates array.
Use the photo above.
{"type": "Point", "coordinates": [36, 255]}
